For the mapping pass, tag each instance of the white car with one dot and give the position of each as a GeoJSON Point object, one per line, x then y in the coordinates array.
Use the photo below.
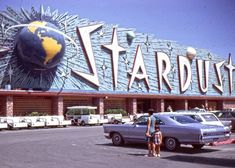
{"type": "Point", "coordinates": [202, 117]}
{"type": "Point", "coordinates": [85, 115]}
{"type": "Point", "coordinates": [114, 118]}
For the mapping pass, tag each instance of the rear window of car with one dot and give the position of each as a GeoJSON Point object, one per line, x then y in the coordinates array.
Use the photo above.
{"type": "Point", "coordinates": [209, 117]}
{"type": "Point", "coordinates": [183, 119]}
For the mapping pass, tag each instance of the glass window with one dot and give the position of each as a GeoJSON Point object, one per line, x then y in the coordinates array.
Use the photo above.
{"type": "Point", "coordinates": [195, 117]}
{"type": "Point", "coordinates": [209, 117]}
{"type": "Point", "coordinates": [183, 119]}
{"type": "Point", "coordinates": [158, 121]}
{"type": "Point", "coordinates": [142, 120]}
{"type": "Point", "coordinates": [219, 114]}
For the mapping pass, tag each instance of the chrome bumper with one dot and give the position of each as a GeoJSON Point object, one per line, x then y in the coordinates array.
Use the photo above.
{"type": "Point", "coordinates": [212, 139]}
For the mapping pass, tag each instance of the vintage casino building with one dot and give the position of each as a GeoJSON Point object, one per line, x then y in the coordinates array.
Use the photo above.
{"type": "Point", "coordinates": [51, 60]}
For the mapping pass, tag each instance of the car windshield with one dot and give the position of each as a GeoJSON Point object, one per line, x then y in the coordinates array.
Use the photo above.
{"type": "Point", "coordinates": [209, 117]}
{"type": "Point", "coordinates": [183, 119]}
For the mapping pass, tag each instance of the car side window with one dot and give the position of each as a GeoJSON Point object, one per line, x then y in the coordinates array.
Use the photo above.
{"type": "Point", "coordinates": [142, 120]}
{"type": "Point", "coordinates": [196, 118]}
{"type": "Point", "coordinates": [159, 122]}
{"type": "Point", "coordinates": [223, 115]}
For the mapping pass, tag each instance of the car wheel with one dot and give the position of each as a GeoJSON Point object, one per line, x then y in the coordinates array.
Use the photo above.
{"type": "Point", "coordinates": [116, 122]}
{"type": "Point", "coordinates": [198, 146]}
{"type": "Point", "coordinates": [83, 123]}
{"type": "Point", "coordinates": [171, 144]}
{"type": "Point", "coordinates": [117, 139]}
{"type": "Point", "coordinates": [74, 122]}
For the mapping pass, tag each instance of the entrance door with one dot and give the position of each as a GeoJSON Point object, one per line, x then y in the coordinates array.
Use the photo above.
{"type": "Point", "coordinates": [143, 105]}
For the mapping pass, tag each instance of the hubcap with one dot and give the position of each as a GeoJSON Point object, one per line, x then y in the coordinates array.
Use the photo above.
{"type": "Point", "coordinates": [171, 143]}
{"type": "Point", "coordinates": [117, 138]}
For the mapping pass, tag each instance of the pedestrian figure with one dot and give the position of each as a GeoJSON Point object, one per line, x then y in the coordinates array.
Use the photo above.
{"type": "Point", "coordinates": [157, 140]}
{"type": "Point", "coordinates": [150, 133]}
{"type": "Point", "coordinates": [169, 109]}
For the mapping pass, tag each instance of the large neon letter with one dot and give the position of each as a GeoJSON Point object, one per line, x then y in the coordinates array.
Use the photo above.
{"type": "Point", "coordinates": [206, 75]}
{"type": "Point", "coordinates": [84, 36]}
{"type": "Point", "coordinates": [163, 59]}
{"type": "Point", "coordinates": [139, 66]}
{"type": "Point", "coordinates": [184, 67]}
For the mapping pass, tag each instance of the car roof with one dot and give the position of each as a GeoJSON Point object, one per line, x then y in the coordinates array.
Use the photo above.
{"type": "Point", "coordinates": [164, 114]}
{"type": "Point", "coordinates": [192, 112]}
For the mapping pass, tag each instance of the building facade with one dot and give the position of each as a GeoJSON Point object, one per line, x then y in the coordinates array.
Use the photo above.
{"type": "Point", "coordinates": [50, 61]}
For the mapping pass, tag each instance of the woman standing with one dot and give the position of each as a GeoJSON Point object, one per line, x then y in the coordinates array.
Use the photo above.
{"type": "Point", "coordinates": [150, 133]}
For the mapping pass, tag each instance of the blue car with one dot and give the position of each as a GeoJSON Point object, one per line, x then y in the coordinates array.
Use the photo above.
{"type": "Point", "coordinates": [176, 129]}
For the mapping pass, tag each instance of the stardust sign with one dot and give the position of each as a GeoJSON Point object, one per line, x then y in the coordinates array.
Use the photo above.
{"type": "Point", "coordinates": [163, 64]}
{"type": "Point", "coordinates": [51, 51]}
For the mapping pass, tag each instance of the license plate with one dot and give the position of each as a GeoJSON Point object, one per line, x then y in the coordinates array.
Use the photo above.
{"type": "Point", "coordinates": [208, 140]}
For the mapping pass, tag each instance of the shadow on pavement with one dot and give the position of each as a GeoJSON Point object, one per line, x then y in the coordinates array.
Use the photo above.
{"type": "Point", "coordinates": [183, 149]}
{"type": "Point", "coordinates": [203, 160]}
{"type": "Point", "coordinates": [137, 154]}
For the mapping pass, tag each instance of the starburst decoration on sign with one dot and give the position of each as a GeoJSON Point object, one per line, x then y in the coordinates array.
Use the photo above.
{"type": "Point", "coordinates": [170, 48]}
{"type": "Point", "coordinates": [126, 61]}
{"type": "Point", "coordinates": [147, 43]}
{"type": "Point", "coordinates": [223, 78]}
{"type": "Point", "coordinates": [100, 33]}
{"type": "Point", "coordinates": [104, 67]}
{"type": "Point", "coordinates": [65, 24]}
{"type": "Point", "coordinates": [191, 84]}
{"type": "Point", "coordinates": [209, 56]}
{"type": "Point", "coordinates": [139, 86]}
{"type": "Point", "coordinates": [173, 70]}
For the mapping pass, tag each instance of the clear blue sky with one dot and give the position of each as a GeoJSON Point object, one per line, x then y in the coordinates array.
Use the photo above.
{"type": "Point", "coordinates": [208, 24]}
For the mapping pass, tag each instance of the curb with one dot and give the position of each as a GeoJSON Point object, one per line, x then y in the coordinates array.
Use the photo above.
{"type": "Point", "coordinates": [229, 141]}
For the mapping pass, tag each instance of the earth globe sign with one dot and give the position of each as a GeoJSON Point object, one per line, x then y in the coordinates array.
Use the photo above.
{"type": "Point", "coordinates": [39, 47]}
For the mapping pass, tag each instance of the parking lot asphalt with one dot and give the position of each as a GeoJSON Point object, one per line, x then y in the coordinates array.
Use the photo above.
{"type": "Point", "coordinates": [75, 147]}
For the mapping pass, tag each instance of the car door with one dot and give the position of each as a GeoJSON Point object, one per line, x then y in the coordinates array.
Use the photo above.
{"type": "Point", "coordinates": [138, 129]}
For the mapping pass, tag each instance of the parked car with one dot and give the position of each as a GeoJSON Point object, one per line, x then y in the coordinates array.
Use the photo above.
{"type": "Point", "coordinates": [229, 109]}
{"type": "Point", "coordinates": [85, 115]}
{"type": "Point", "coordinates": [176, 129]}
{"type": "Point", "coordinates": [114, 118]}
{"type": "Point", "coordinates": [205, 118]}
{"type": "Point", "coordinates": [228, 116]}
{"type": "Point", "coordinates": [192, 110]}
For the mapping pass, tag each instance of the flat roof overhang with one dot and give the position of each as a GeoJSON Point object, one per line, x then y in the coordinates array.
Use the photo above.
{"type": "Point", "coordinates": [110, 94]}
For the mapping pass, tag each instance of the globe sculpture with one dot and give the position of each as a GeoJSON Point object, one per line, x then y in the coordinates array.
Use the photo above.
{"type": "Point", "coordinates": [39, 46]}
